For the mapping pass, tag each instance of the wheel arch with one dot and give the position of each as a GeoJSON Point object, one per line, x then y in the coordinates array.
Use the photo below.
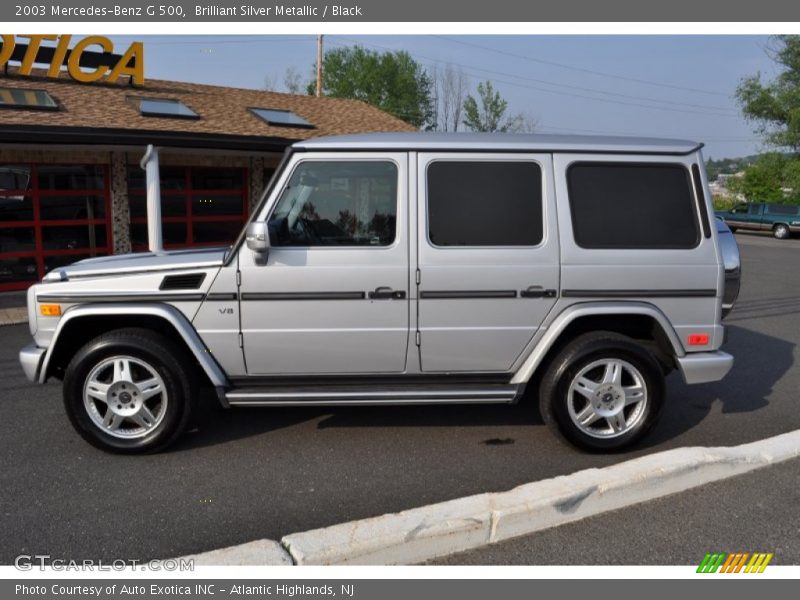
{"type": "Point", "coordinates": [619, 317]}
{"type": "Point", "coordinates": [84, 322]}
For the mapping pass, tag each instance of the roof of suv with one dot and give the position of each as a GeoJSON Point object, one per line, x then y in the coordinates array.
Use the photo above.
{"type": "Point", "coordinates": [511, 142]}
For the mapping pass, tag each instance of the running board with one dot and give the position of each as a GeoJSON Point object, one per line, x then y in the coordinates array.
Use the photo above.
{"type": "Point", "coordinates": [361, 396]}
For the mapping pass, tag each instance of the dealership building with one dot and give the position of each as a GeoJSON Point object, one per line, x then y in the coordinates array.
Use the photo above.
{"type": "Point", "coordinates": [70, 182]}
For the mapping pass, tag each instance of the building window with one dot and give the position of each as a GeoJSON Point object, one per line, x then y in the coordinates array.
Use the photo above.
{"type": "Point", "coordinates": [162, 107]}
{"type": "Point", "coordinates": [281, 118]}
{"type": "Point", "coordinates": [26, 99]}
{"type": "Point", "coordinates": [50, 216]}
{"type": "Point", "coordinates": [200, 206]}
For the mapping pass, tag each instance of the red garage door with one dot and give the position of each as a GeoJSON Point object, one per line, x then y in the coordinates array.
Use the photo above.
{"type": "Point", "coordinates": [50, 215]}
{"type": "Point", "coordinates": [200, 206]}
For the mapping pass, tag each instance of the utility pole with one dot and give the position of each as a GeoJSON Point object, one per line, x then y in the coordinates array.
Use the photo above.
{"type": "Point", "coordinates": [319, 65]}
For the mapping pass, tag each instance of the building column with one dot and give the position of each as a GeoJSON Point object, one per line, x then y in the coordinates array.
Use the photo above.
{"type": "Point", "coordinates": [256, 181]}
{"type": "Point", "coordinates": [120, 209]}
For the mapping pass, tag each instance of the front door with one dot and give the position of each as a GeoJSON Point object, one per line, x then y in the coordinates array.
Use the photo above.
{"type": "Point", "coordinates": [487, 256]}
{"type": "Point", "coordinates": [332, 296]}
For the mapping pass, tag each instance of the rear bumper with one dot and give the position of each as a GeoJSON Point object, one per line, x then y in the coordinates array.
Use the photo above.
{"type": "Point", "coordinates": [30, 357]}
{"type": "Point", "coordinates": [704, 367]}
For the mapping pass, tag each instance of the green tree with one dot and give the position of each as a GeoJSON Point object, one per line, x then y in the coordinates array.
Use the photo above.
{"type": "Point", "coordinates": [485, 114]}
{"type": "Point", "coordinates": [775, 106]}
{"type": "Point", "coordinates": [391, 81]}
{"type": "Point", "coordinates": [774, 178]}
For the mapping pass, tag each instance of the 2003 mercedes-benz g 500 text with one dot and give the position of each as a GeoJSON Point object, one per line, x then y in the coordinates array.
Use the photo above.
{"type": "Point", "coordinates": [410, 269]}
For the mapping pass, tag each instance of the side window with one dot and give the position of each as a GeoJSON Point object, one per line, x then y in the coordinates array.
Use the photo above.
{"type": "Point", "coordinates": [632, 206]}
{"type": "Point", "coordinates": [754, 209]}
{"type": "Point", "coordinates": [783, 209]}
{"type": "Point", "coordinates": [489, 203]}
{"type": "Point", "coordinates": [337, 203]}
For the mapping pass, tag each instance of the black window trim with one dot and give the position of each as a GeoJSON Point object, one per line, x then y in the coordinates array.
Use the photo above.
{"type": "Point", "coordinates": [292, 168]}
{"type": "Point", "coordinates": [484, 158]}
{"type": "Point", "coordinates": [617, 163]}
{"type": "Point", "coordinates": [700, 199]}
{"type": "Point", "coordinates": [55, 108]}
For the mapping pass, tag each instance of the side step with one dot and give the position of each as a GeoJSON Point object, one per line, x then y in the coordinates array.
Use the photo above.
{"type": "Point", "coordinates": [358, 395]}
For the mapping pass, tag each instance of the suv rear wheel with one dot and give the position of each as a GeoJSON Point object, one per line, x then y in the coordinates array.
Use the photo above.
{"type": "Point", "coordinates": [129, 391]}
{"type": "Point", "coordinates": [603, 391]}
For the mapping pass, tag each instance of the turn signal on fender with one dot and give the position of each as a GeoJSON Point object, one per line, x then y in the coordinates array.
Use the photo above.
{"type": "Point", "coordinates": [50, 310]}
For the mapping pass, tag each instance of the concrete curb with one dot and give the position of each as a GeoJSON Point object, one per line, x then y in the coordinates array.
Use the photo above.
{"type": "Point", "coordinates": [13, 316]}
{"type": "Point", "coordinates": [420, 534]}
{"type": "Point", "coordinates": [260, 552]}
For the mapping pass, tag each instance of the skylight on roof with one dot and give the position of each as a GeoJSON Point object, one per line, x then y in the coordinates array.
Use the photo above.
{"type": "Point", "coordinates": [281, 118]}
{"type": "Point", "coordinates": [26, 99]}
{"type": "Point", "coordinates": [163, 107]}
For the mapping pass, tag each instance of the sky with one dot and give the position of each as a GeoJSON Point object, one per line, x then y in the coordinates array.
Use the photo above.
{"type": "Point", "coordinates": [663, 86]}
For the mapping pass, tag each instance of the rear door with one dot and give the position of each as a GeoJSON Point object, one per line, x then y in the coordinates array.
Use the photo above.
{"type": "Point", "coordinates": [487, 257]}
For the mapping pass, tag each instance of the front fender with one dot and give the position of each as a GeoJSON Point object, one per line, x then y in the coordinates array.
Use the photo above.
{"type": "Point", "coordinates": [169, 314]}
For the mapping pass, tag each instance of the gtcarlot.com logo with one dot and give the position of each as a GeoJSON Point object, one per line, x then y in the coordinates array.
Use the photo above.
{"type": "Point", "coordinates": [737, 562]}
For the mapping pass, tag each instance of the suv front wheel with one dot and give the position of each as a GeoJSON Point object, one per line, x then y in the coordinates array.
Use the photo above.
{"type": "Point", "coordinates": [603, 391]}
{"type": "Point", "coordinates": [129, 391]}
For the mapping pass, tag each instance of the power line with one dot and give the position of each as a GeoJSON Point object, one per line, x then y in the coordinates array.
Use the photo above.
{"type": "Point", "coordinates": [468, 68]}
{"type": "Point", "coordinates": [581, 69]}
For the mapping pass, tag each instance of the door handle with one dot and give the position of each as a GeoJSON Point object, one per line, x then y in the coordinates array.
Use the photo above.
{"type": "Point", "coordinates": [537, 291]}
{"type": "Point", "coordinates": [386, 293]}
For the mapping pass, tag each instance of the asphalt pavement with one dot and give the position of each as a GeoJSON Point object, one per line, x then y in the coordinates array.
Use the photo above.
{"type": "Point", "coordinates": [246, 474]}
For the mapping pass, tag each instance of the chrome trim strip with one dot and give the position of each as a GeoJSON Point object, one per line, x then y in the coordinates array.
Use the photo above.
{"type": "Point", "coordinates": [357, 396]}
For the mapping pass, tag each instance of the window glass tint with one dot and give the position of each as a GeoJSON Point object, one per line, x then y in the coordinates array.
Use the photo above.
{"type": "Point", "coordinates": [215, 232]}
{"type": "Point", "coordinates": [16, 269]}
{"type": "Point", "coordinates": [217, 179]}
{"type": "Point", "coordinates": [280, 117]}
{"type": "Point", "coordinates": [72, 207]}
{"type": "Point", "coordinates": [754, 209]}
{"type": "Point", "coordinates": [54, 262]}
{"type": "Point", "coordinates": [783, 209]}
{"type": "Point", "coordinates": [16, 208]}
{"type": "Point", "coordinates": [171, 205]}
{"type": "Point", "coordinates": [163, 107]}
{"type": "Point", "coordinates": [71, 237]}
{"type": "Point", "coordinates": [170, 178]}
{"type": "Point", "coordinates": [639, 206]}
{"type": "Point", "coordinates": [172, 233]}
{"type": "Point", "coordinates": [17, 239]}
{"type": "Point", "coordinates": [14, 178]}
{"type": "Point", "coordinates": [25, 98]}
{"type": "Point", "coordinates": [347, 203]}
{"type": "Point", "coordinates": [484, 203]}
{"type": "Point", "coordinates": [216, 204]}
{"type": "Point", "coordinates": [71, 177]}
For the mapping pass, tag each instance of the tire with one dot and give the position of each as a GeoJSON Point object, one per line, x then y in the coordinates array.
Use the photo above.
{"type": "Point", "coordinates": [781, 231]}
{"type": "Point", "coordinates": [614, 418]}
{"type": "Point", "coordinates": [146, 377]}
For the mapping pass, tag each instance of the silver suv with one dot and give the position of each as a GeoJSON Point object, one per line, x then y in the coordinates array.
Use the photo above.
{"type": "Point", "coordinates": [410, 269]}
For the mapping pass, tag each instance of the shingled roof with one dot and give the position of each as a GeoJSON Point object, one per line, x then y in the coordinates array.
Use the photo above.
{"type": "Point", "coordinates": [223, 111]}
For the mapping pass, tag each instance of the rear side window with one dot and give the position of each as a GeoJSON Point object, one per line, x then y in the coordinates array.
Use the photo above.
{"type": "Point", "coordinates": [490, 203]}
{"type": "Point", "coordinates": [783, 209]}
{"type": "Point", "coordinates": [632, 206]}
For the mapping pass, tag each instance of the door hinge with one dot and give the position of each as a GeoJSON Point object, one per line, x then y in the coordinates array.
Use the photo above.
{"type": "Point", "coordinates": [418, 338]}
{"type": "Point", "coordinates": [419, 277]}
{"type": "Point", "coordinates": [238, 278]}
{"type": "Point", "coordinates": [241, 340]}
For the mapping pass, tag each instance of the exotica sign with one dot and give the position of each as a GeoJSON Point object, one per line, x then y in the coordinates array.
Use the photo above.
{"type": "Point", "coordinates": [90, 59]}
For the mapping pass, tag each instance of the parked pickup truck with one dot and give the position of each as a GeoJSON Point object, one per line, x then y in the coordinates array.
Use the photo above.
{"type": "Point", "coordinates": [781, 219]}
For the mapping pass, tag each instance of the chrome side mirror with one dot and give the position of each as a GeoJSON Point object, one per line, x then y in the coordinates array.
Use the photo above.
{"type": "Point", "coordinates": [257, 237]}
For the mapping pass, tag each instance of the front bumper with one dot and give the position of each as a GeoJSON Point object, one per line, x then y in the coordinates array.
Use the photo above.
{"type": "Point", "coordinates": [31, 357]}
{"type": "Point", "coordinates": [705, 367]}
